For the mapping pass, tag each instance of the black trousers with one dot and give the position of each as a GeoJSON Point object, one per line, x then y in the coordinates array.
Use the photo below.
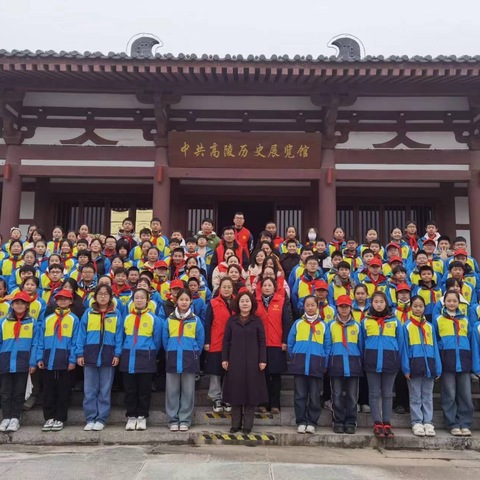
{"type": "Point", "coordinates": [13, 394]}
{"type": "Point", "coordinates": [363, 391]}
{"type": "Point", "coordinates": [401, 391]}
{"type": "Point", "coordinates": [57, 386]}
{"type": "Point", "coordinates": [327, 390]}
{"type": "Point", "coordinates": [344, 406]}
{"type": "Point", "coordinates": [138, 393]}
{"type": "Point", "coordinates": [274, 385]}
{"type": "Point", "coordinates": [243, 414]}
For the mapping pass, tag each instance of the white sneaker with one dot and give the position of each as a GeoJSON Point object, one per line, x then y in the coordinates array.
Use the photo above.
{"type": "Point", "coordinates": [301, 428]}
{"type": "Point", "coordinates": [466, 432]}
{"type": "Point", "coordinates": [183, 427]}
{"type": "Point", "coordinates": [310, 429]}
{"type": "Point", "coordinates": [456, 432]}
{"type": "Point", "coordinates": [174, 427]}
{"type": "Point", "coordinates": [429, 430]}
{"type": "Point", "coordinates": [57, 426]}
{"type": "Point", "coordinates": [418, 430]}
{"type": "Point", "coordinates": [327, 405]}
{"type": "Point", "coordinates": [14, 425]}
{"type": "Point", "coordinates": [227, 407]}
{"type": "Point", "coordinates": [365, 408]}
{"type": "Point", "coordinates": [141, 423]}
{"type": "Point", "coordinates": [89, 426]}
{"type": "Point", "coordinates": [98, 426]}
{"type": "Point", "coordinates": [47, 427]}
{"type": "Point", "coordinates": [4, 425]}
{"type": "Point", "coordinates": [131, 423]}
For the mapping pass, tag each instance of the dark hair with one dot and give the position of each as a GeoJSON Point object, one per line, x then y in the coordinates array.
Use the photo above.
{"type": "Point", "coordinates": [147, 293]}
{"type": "Point", "coordinates": [253, 256]}
{"type": "Point", "coordinates": [268, 279]}
{"type": "Point", "coordinates": [456, 264]}
{"type": "Point", "coordinates": [425, 268]}
{"type": "Point", "coordinates": [191, 240]}
{"type": "Point", "coordinates": [451, 292]}
{"type": "Point", "coordinates": [123, 244]}
{"type": "Point", "coordinates": [444, 237]}
{"type": "Point", "coordinates": [55, 266]}
{"type": "Point", "coordinates": [399, 268]}
{"type": "Point", "coordinates": [358, 286]}
{"type": "Point", "coordinates": [84, 253]}
{"type": "Point", "coordinates": [99, 287]}
{"type": "Point", "coordinates": [40, 241]}
{"type": "Point", "coordinates": [174, 240]}
{"type": "Point", "coordinates": [252, 298]}
{"type": "Point", "coordinates": [146, 280]}
{"type": "Point", "coordinates": [311, 257]}
{"type": "Point", "coordinates": [207, 220]}
{"type": "Point", "coordinates": [376, 242]}
{"type": "Point", "coordinates": [223, 280]}
{"type": "Point", "coordinates": [156, 219]}
{"type": "Point", "coordinates": [88, 265]}
{"type": "Point", "coordinates": [310, 296]}
{"type": "Point", "coordinates": [13, 242]}
{"type": "Point", "coordinates": [421, 252]}
{"type": "Point", "coordinates": [193, 279]}
{"type": "Point", "coordinates": [336, 253]}
{"type": "Point", "coordinates": [128, 219]}
{"type": "Point", "coordinates": [185, 291]}
{"type": "Point", "coordinates": [73, 283]}
{"type": "Point", "coordinates": [228, 227]}
{"type": "Point", "coordinates": [379, 293]}
{"type": "Point", "coordinates": [145, 230]}
{"type": "Point", "coordinates": [290, 240]}
{"type": "Point", "coordinates": [344, 264]}
{"type": "Point", "coordinates": [133, 269]}
{"type": "Point", "coordinates": [306, 248]}
{"type": "Point", "coordinates": [451, 282]}
{"type": "Point", "coordinates": [27, 268]}
{"type": "Point", "coordinates": [178, 250]}
{"type": "Point", "coordinates": [417, 297]}
{"type": "Point", "coordinates": [431, 222]}
{"type": "Point", "coordinates": [146, 274]}
{"type": "Point", "coordinates": [35, 279]}
{"type": "Point", "coordinates": [367, 250]}
{"type": "Point", "coordinates": [459, 239]}
{"type": "Point", "coordinates": [120, 270]}
{"type": "Point", "coordinates": [5, 286]}
{"type": "Point", "coordinates": [351, 239]}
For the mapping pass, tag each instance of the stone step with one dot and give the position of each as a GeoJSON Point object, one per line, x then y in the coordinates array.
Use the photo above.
{"type": "Point", "coordinates": [204, 416]}
{"type": "Point", "coordinates": [275, 436]}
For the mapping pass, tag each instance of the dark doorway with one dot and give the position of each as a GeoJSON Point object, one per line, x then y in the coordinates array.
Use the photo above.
{"type": "Point", "coordinates": [257, 214]}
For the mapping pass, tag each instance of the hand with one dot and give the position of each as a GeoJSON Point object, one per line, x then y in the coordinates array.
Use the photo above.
{"type": "Point", "coordinates": [407, 376]}
{"type": "Point", "coordinates": [71, 366]}
{"type": "Point", "coordinates": [284, 347]}
{"type": "Point", "coordinates": [206, 347]}
{"type": "Point", "coordinates": [262, 366]}
{"type": "Point", "coordinates": [115, 361]}
{"type": "Point", "coordinates": [41, 365]}
{"type": "Point", "coordinates": [31, 370]}
{"type": "Point", "coordinates": [81, 361]}
{"type": "Point", "coordinates": [225, 365]}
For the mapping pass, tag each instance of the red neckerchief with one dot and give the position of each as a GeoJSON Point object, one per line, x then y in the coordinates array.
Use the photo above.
{"type": "Point", "coordinates": [421, 326]}
{"type": "Point", "coordinates": [67, 257]}
{"type": "Point", "coordinates": [190, 255]}
{"type": "Point", "coordinates": [313, 324]}
{"type": "Point", "coordinates": [155, 239]}
{"type": "Point", "coordinates": [18, 325]}
{"type": "Point", "coordinates": [337, 244]}
{"type": "Point", "coordinates": [379, 280]}
{"type": "Point", "coordinates": [381, 322]}
{"type": "Point", "coordinates": [309, 283]}
{"type": "Point", "coordinates": [33, 297]}
{"type": "Point", "coordinates": [56, 245]}
{"type": "Point", "coordinates": [457, 327]}
{"type": "Point", "coordinates": [413, 242]}
{"type": "Point", "coordinates": [432, 293]}
{"type": "Point", "coordinates": [432, 237]}
{"type": "Point", "coordinates": [118, 290]}
{"type": "Point", "coordinates": [405, 313]}
{"type": "Point", "coordinates": [344, 335]}
{"type": "Point", "coordinates": [176, 274]}
{"type": "Point", "coordinates": [52, 287]}
{"type": "Point", "coordinates": [138, 317]}
{"type": "Point", "coordinates": [41, 260]}
{"type": "Point", "coordinates": [321, 309]}
{"type": "Point", "coordinates": [58, 322]}
{"type": "Point", "coordinates": [109, 253]}
{"type": "Point", "coordinates": [14, 259]}
{"type": "Point", "coordinates": [362, 314]}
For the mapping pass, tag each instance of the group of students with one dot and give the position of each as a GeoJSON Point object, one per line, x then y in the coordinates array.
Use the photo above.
{"type": "Point", "coordinates": [352, 323]}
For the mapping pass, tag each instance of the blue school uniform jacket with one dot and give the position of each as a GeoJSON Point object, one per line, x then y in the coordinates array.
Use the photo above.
{"type": "Point", "coordinates": [100, 336]}
{"type": "Point", "coordinates": [308, 345]}
{"type": "Point", "coordinates": [346, 349]}
{"type": "Point", "coordinates": [18, 354]}
{"type": "Point", "coordinates": [420, 355]}
{"type": "Point", "coordinates": [183, 343]}
{"type": "Point", "coordinates": [142, 339]}
{"type": "Point", "coordinates": [57, 340]}
{"type": "Point", "coordinates": [454, 342]}
{"type": "Point", "coordinates": [382, 344]}
{"type": "Point", "coordinates": [476, 348]}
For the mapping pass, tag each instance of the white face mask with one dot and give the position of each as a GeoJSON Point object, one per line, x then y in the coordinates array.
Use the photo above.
{"type": "Point", "coordinates": [312, 236]}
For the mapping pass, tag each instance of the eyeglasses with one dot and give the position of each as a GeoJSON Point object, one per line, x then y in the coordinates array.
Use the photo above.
{"type": "Point", "coordinates": [103, 294]}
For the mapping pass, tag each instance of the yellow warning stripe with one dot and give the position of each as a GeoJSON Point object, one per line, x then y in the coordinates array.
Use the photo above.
{"type": "Point", "coordinates": [232, 437]}
{"type": "Point", "coordinates": [218, 416]}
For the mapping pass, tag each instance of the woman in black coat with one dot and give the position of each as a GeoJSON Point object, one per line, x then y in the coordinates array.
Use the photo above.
{"type": "Point", "coordinates": [244, 357]}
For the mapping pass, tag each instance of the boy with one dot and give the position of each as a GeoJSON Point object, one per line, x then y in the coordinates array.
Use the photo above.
{"type": "Point", "coordinates": [177, 264]}
{"type": "Point", "coordinates": [362, 272]}
{"type": "Point", "coordinates": [158, 239]}
{"type": "Point", "coordinates": [374, 280]}
{"type": "Point", "coordinates": [88, 282]}
{"type": "Point", "coordinates": [342, 284]}
{"type": "Point", "coordinates": [345, 366]}
{"type": "Point", "coordinates": [53, 282]}
{"type": "Point", "coordinates": [420, 260]}
{"type": "Point", "coordinates": [431, 230]}
{"type": "Point", "coordinates": [213, 240]}
{"type": "Point", "coordinates": [428, 290]}
{"type": "Point", "coordinates": [199, 306]}
{"type": "Point", "coordinates": [136, 252]}
{"type": "Point", "coordinates": [83, 257]}
{"type": "Point", "coordinates": [110, 247]}
{"type": "Point", "coordinates": [56, 356]}
{"type": "Point", "coordinates": [350, 254]}
{"type": "Point", "coordinates": [457, 271]}
{"type": "Point", "coordinates": [320, 251]}
{"type": "Point", "coordinates": [304, 285]}
{"type": "Point", "coordinates": [327, 311]}
{"type": "Point", "coordinates": [337, 257]}
{"type": "Point", "coordinates": [393, 261]}
{"type": "Point", "coordinates": [191, 251]}
{"type": "Point", "coordinates": [305, 252]}
{"type": "Point", "coordinates": [127, 233]}
{"type": "Point", "coordinates": [120, 287]}
{"type": "Point", "coordinates": [204, 250]}
{"type": "Point", "coordinates": [290, 259]}
{"type": "Point", "coordinates": [434, 261]}
{"type": "Point", "coordinates": [133, 277]}
{"type": "Point", "coordinates": [271, 227]}
{"type": "Point", "coordinates": [160, 282]}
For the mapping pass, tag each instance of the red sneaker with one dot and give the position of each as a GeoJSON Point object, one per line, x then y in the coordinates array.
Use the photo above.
{"type": "Point", "coordinates": [387, 429]}
{"type": "Point", "coordinates": [378, 430]}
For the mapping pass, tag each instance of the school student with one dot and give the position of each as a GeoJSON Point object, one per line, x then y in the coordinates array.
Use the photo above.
{"type": "Point", "coordinates": [308, 343]}
{"type": "Point", "coordinates": [383, 336]}
{"type": "Point", "coordinates": [183, 338]}
{"type": "Point", "coordinates": [99, 345]}
{"type": "Point", "coordinates": [56, 356]}
{"type": "Point", "coordinates": [345, 366]}
{"type": "Point", "coordinates": [142, 338]}
{"type": "Point", "coordinates": [421, 365]}
{"type": "Point", "coordinates": [18, 337]}
{"type": "Point", "coordinates": [454, 342]}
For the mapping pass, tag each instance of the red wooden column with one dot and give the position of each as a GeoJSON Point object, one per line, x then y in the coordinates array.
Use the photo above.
{"type": "Point", "coordinates": [161, 189]}
{"type": "Point", "coordinates": [327, 194]}
{"type": "Point", "coordinates": [474, 204]}
{"type": "Point", "coordinates": [11, 193]}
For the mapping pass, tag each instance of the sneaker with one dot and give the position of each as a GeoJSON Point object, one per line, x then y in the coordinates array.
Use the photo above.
{"type": "Point", "coordinates": [474, 378]}
{"type": "Point", "coordinates": [57, 426]}
{"type": "Point", "coordinates": [418, 430]}
{"type": "Point", "coordinates": [174, 427]}
{"type": "Point", "coordinates": [378, 430]}
{"type": "Point", "coordinates": [197, 377]}
{"type": "Point", "coordinates": [429, 430]}
{"type": "Point", "coordinates": [235, 429]}
{"type": "Point", "coordinates": [275, 411]}
{"type": "Point", "coordinates": [456, 432]}
{"type": "Point", "coordinates": [310, 429]}
{"type": "Point", "coordinates": [338, 429]}
{"type": "Point", "coordinates": [14, 425]}
{"type": "Point", "coordinates": [301, 429]}
{"type": "Point", "coordinates": [262, 409]}
{"type": "Point", "coordinates": [327, 405]}
{"type": "Point", "coordinates": [365, 408]}
{"type": "Point", "coordinates": [226, 408]}
{"type": "Point", "coordinates": [98, 426]}
{"type": "Point", "coordinates": [131, 423]}
{"type": "Point", "coordinates": [465, 431]}
{"type": "Point", "coordinates": [400, 409]}
{"type": "Point", "coordinates": [217, 406]}
{"type": "Point", "coordinates": [387, 430]}
{"type": "Point", "coordinates": [183, 427]}
{"type": "Point", "coordinates": [4, 425]}
{"type": "Point", "coordinates": [29, 403]}
{"type": "Point", "coordinates": [47, 427]}
{"type": "Point", "coordinates": [141, 423]}
{"type": "Point", "coordinates": [350, 429]}
{"type": "Point", "coordinates": [89, 426]}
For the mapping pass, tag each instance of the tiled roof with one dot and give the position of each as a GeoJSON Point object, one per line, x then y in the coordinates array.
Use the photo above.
{"type": "Point", "coordinates": [239, 58]}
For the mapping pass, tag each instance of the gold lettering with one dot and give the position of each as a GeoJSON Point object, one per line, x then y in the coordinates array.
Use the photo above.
{"type": "Point", "coordinates": [273, 153]}
{"type": "Point", "coordinates": [200, 150]}
{"type": "Point", "coordinates": [243, 152]}
{"type": "Point", "coordinates": [288, 151]}
{"type": "Point", "coordinates": [258, 151]}
{"type": "Point", "coordinates": [184, 148]}
{"type": "Point", "coordinates": [228, 151]}
{"type": "Point", "coordinates": [303, 151]}
{"type": "Point", "coordinates": [214, 152]}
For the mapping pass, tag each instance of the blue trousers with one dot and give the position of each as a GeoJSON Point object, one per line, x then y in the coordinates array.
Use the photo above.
{"type": "Point", "coordinates": [457, 402]}
{"type": "Point", "coordinates": [97, 392]}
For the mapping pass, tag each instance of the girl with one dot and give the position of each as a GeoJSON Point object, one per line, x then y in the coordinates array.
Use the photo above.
{"type": "Point", "coordinates": [411, 237]}
{"type": "Point", "coordinates": [142, 338]}
{"type": "Point", "coordinates": [183, 339]}
{"type": "Point", "coordinates": [123, 250]}
{"type": "Point", "coordinates": [405, 250]}
{"type": "Point", "coordinates": [308, 347]}
{"type": "Point", "coordinates": [421, 365]}
{"type": "Point", "coordinates": [28, 259]}
{"type": "Point", "coordinates": [235, 273]}
{"type": "Point", "coordinates": [219, 310]}
{"type": "Point", "coordinates": [115, 262]}
{"type": "Point", "coordinates": [18, 336]}
{"type": "Point", "coordinates": [99, 345]}
{"type": "Point", "coordinates": [145, 248]}
{"type": "Point", "coordinates": [338, 242]}
{"type": "Point", "coordinates": [57, 237]}
{"type": "Point", "coordinates": [383, 336]}
{"type": "Point", "coordinates": [290, 234]}
{"type": "Point", "coordinates": [454, 339]}
{"type": "Point", "coordinates": [41, 257]}
{"type": "Point", "coordinates": [244, 357]}
{"type": "Point", "coordinates": [276, 315]}
{"type": "Point", "coordinates": [271, 272]}
{"type": "Point", "coordinates": [221, 269]}
{"type": "Point", "coordinates": [37, 306]}
{"type": "Point", "coordinates": [4, 303]}
{"type": "Point", "coordinates": [15, 235]}
{"type": "Point", "coordinates": [67, 252]}
{"type": "Point", "coordinates": [361, 302]}
{"type": "Point", "coordinates": [101, 263]}
{"type": "Point", "coordinates": [37, 235]}
{"type": "Point", "coordinates": [465, 307]}
{"type": "Point", "coordinates": [56, 356]}
{"type": "Point", "coordinates": [84, 233]}
{"type": "Point", "coordinates": [13, 261]}
{"type": "Point", "coordinates": [311, 237]}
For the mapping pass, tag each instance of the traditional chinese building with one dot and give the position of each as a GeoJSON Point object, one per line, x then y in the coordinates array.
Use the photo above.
{"type": "Point", "coordinates": [308, 141]}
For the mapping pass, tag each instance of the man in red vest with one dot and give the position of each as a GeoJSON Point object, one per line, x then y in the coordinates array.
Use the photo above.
{"type": "Point", "coordinates": [243, 236]}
